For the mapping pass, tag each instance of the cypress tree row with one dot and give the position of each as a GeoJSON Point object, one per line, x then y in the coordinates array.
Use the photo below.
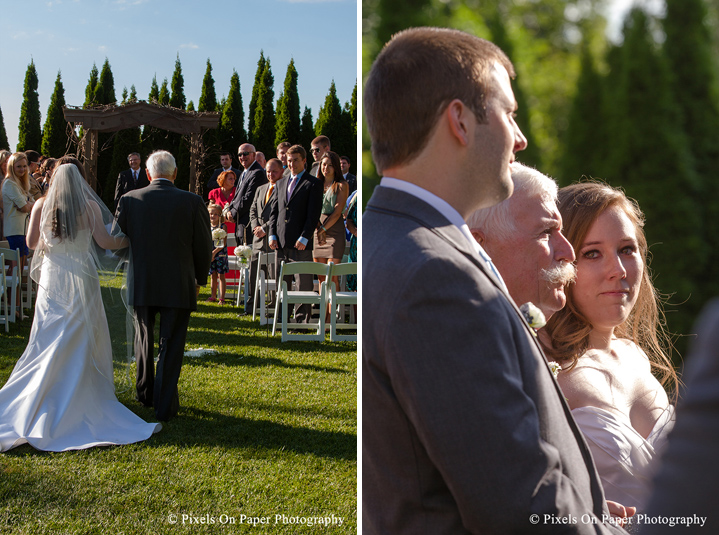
{"type": "Point", "coordinates": [154, 96]}
{"type": "Point", "coordinates": [29, 135]}
{"type": "Point", "coordinates": [177, 100]}
{"type": "Point", "coordinates": [232, 125]}
{"type": "Point", "coordinates": [55, 142]}
{"type": "Point", "coordinates": [688, 48]}
{"type": "Point", "coordinates": [179, 146]}
{"type": "Point", "coordinates": [255, 96]}
{"type": "Point", "coordinates": [208, 99]}
{"type": "Point", "coordinates": [164, 96]}
{"type": "Point", "coordinates": [4, 144]}
{"type": "Point", "coordinates": [207, 102]}
{"type": "Point", "coordinates": [104, 92]}
{"type": "Point", "coordinates": [263, 133]}
{"type": "Point", "coordinates": [133, 94]}
{"type": "Point", "coordinates": [650, 159]}
{"type": "Point", "coordinates": [288, 109]}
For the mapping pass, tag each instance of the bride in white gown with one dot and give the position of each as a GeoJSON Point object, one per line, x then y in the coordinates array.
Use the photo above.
{"type": "Point", "coordinates": [60, 395]}
{"type": "Point", "coordinates": [610, 343]}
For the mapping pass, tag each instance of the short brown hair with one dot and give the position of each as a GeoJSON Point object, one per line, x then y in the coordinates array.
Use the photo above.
{"type": "Point", "coordinates": [284, 145]}
{"type": "Point", "coordinates": [416, 75]}
{"type": "Point", "coordinates": [297, 149]}
{"type": "Point", "coordinates": [324, 141]}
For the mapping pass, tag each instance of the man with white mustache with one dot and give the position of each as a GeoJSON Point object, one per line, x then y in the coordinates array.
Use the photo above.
{"type": "Point", "coordinates": [523, 237]}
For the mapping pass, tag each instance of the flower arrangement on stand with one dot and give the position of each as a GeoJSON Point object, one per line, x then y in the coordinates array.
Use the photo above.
{"type": "Point", "coordinates": [243, 253]}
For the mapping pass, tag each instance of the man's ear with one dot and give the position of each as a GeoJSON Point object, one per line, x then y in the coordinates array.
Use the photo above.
{"type": "Point", "coordinates": [478, 235]}
{"type": "Point", "coordinates": [457, 114]}
{"type": "Point", "coordinates": [147, 171]}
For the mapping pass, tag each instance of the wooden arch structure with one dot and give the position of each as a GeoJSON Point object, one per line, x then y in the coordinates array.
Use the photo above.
{"type": "Point", "coordinates": [115, 118]}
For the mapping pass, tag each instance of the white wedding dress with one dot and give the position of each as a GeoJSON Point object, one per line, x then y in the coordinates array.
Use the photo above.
{"type": "Point", "coordinates": [61, 394]}
{"type": "Point", "coordinates": [625, 460]}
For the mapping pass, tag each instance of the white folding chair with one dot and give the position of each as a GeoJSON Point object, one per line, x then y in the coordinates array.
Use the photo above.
{"type": "Point", "coordinates": [337, 299]}
{"type": "Point", "coordinates": [4, 309]}
{"type": "Point", "coordinates": [286, 296]}
{"type": "Point", "coordinates": [265, 286]}
{"type": "Point", "coordinates": [13, 282]}
{"type": "Point", "coordinates": [28, 287]}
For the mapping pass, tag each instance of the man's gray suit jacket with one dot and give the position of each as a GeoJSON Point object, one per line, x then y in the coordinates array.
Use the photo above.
{"type": "Point", "coordinates": [465, 429]}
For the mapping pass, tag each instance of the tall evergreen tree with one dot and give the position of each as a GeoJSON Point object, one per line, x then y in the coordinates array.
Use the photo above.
{"type": "Point", "coordinates": [104, 94]}
{"type": "Point", "coordinates": [353, 109]}
{"type": "Point", "coordinates": [133, 94]}
{"type": "Point", "coordinates": [264, 124]}
{"type": "Point", "coordinates": [208, 98]}
{"type": "Point", "coordinates": [154, 96]}
{"type": "Point", "coordinates": [4, 143]}
{"type": "Point", "coordinates": [91, 85]}
{"type": "Point", "coordinates": [124, 96]}
{"type": "Point", "coordinates": [255, 95]}
{"type": "Point", "coordinates": [586, 139]}
{"type": "Point", "coordinates": [232, 125]}
{"type": "Point", "coordinates": [307, 132]}
{"type": "Point", "coordinates": [177, 100]}
{"type": "Point", "coordinates": [288, 109]}
{"type": "Point", "coordinates": [29, 135]}
{"type": "Point", "coordinates": [651, 160]}
{"type": "Point", "coordinates": [55, 141]}
{"type": "Point", "coordinates": [164, 96]}
{"type": "Point", "coordinates": [688, 48]}
{"type": "Point", "coordinates": [330, 122]}
{"type": "Point", "coordinates": [191, 106]}
{"type": "Point", "coordinates": [105, 89]}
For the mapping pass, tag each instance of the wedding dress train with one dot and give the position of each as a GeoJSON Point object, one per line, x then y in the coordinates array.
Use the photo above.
{"type": "Point", "coordinates": [60, 395]}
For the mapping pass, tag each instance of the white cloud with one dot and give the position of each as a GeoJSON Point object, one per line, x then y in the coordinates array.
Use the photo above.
{"type": "Point", "coordinates": [192, 46]}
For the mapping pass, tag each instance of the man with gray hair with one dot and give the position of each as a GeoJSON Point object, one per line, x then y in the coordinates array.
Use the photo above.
{"type": "Point", "coordinates": [130, 179]}
{"type": "Point", "coordinates": [167, 227]}
{"type": "Point", "coordinates": [523, 237]}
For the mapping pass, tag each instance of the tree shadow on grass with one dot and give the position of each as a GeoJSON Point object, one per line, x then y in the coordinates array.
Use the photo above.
{"type": "Point", "coordinates": [232, 359]}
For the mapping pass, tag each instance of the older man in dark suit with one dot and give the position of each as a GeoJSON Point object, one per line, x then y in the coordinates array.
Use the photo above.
{"type": "Point", "coordinates": [171, 245]}
{"type": "Point", "coordinates": [294, 219]}
{"type": "Point", "coordinates": [250, 178]}
{"type": "Point", "coordinates": [260, 213]}
{"type": "Point", "coordinates": [465, 429]}
{"type": "Point", "coordinates": [130, 179]}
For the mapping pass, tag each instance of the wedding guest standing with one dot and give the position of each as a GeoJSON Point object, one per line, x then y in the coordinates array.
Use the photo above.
{"type": "Point", "coordinates": [251, 178]}
{"type": "Point", "coordinates": [610, 341]}
{"type": "Point", "coordinates": [225, 165]}
{"type": "Point", "coordinates": [464, 428]}
{"type": "Point", "coordinates": [223, 195]}
{"type": "Point", "coordinates": [166, 227]}
{"type": "Point", "coordinates": [17, 204]}
{"type": "Point", "coordinates": [130, 179]}
{"type": "Point", "coordinates": [320, 146]}
{"type": "Point", "coordinates": [349, 177]}
{"type": "Point", "coordinates": [329, 238]}
{"type": "Point", "coordinates": [220, 264]}
{"type": "Point", "coordinates": [293, 222]}
{"type": "Point", "coordinates": [4, 156]}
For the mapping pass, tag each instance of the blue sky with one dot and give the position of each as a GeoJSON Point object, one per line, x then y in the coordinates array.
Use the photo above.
{"type": "Point", "coordinates": [141, 39]}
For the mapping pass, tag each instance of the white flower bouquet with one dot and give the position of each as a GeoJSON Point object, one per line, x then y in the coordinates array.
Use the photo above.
{"type": "Point", "coordinates": [244, 253]}
{"type": "Point", "coordinates": [218, 236]}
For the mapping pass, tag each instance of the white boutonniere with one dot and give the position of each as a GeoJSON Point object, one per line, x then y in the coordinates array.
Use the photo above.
{"type": "Point", "coordinates": [534, 317]}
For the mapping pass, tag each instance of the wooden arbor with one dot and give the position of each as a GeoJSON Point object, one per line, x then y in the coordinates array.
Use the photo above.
{"type": "Point", "coordinates": [114, 118]}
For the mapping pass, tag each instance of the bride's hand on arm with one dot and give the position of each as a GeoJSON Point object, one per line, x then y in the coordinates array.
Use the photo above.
{"type": "Point", "coordinates": [99, 232]}
{"type": "Point", "coordinates": [620, 511]}
{"type": "Point", "coordinates": [33, 230]}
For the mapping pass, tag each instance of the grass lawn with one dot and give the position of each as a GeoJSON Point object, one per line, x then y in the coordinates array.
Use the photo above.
{"type": "Point", "coordinates": [266, 430]}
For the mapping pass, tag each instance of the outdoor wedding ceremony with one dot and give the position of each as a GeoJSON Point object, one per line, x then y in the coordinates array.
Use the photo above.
{"type": "Point", "coordinates": [538, 337]}
{"type": "Point", "coordinates": [179, 235]}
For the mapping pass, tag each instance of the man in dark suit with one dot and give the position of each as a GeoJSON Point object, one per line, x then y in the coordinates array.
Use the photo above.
{"type": "Point", "coordinates": [169, 231]}
{"type": "Point", "coordinates": [465, 429]}
{"type": "Point", "coordinates": [349, 177]}
{"type": "Point", "coordinates": [250, 178]}
{"type": "Point", "coordinates": [260, 212]}
{"type": "Point", "coordinates": [133, 178]}
{"type": "Point", "coordinates": [282, 149]}
{"type": "Point", "coordinates": [294, 219]}
{"type": "Point", "coordinates": [226, 165]}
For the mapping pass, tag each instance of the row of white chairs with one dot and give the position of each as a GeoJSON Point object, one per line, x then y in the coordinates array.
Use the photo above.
{"type": "Point", "coordinates": [328, 294]}
{"type": "Point", "coordinates": [14, 283]}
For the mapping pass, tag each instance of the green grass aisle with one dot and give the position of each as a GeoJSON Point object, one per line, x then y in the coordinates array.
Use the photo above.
{"type": "Point", "coordinates": [265, 430]}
